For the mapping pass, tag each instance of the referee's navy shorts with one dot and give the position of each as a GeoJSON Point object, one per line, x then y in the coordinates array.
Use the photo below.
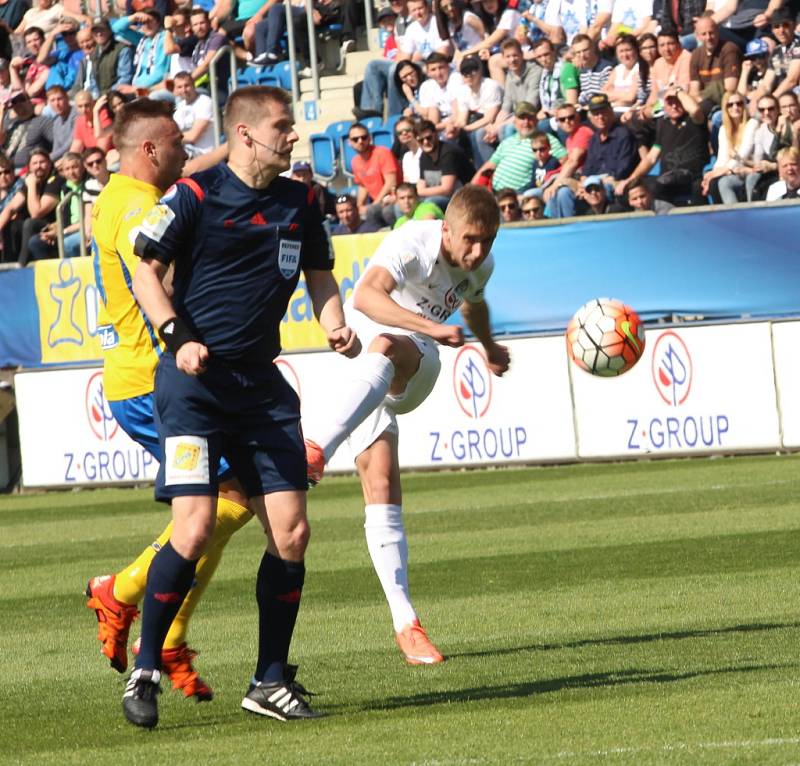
{"type": "Point", "coordinates": [253, 418]}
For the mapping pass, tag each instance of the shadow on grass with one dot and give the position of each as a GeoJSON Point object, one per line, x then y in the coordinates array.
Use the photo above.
{"type": "Point", "coordinates": [676, 635]}
{"type": "Point", "coordinates": [547, 686]}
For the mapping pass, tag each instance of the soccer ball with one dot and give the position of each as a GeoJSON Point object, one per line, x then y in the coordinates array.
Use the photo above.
{"type": "Point", "coordinates": [605, 337]}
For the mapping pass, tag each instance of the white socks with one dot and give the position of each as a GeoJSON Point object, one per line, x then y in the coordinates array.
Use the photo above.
{"type": "Point", "coordinates": [371, 376]}
{"type": "Point", "coordinates": [388, 548]}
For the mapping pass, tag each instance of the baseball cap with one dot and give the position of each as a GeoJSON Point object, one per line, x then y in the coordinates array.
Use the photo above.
{"type": "Point", "coordinates": [597, 102]}
{"type": "Point", "coordinates": [102, 23]}
{"type": "Point", "coordinates": [385, 13]}
{"type": "Point", "coordinates": [781, 16]}
{"type": "Point", "coordinates": [300, 166]}
{"type": "Point", "coordinates": [756, 48]}
{"type": "Point", "coordinates": [592, 181]}
{"type": "Point", "coordinates": [525, 107]}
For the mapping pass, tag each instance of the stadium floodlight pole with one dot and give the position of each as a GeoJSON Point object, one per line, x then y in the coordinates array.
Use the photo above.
{"type": "Point", "coordinates": [312, 47]}
{"type": "Point", "coordinates": [292, 57]}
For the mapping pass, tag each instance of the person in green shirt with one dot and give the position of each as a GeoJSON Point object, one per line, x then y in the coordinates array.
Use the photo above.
{"type": "Point", "coordinates": [412, 209]}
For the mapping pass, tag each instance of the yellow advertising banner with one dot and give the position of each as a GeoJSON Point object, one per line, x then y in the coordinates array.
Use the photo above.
{"type": "Point", "coordinates": [67, 299]}
{"type": "Point", "coordinates": [68, 303]}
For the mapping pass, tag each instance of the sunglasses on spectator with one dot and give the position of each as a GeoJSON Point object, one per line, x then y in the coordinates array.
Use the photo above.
{"type": "Point", "coordinates": [567, 118]}
{"type": "Point", "coordinates": [735, 103]}
{"type": "Point", "coordinates": [360, 137]}
{"type": "Point", "coordinates": [508, 205]}
{"type": "Point", "coordinates": [593, 189]}
{"type": "Point", "coordinates": [342, 198]}
{"type": "Point", "coordinates": [428, 138]}
{"type": "Point", "coordinates": [92, 163]}
{"type": "Point", "coordinates": [531, 211]}
{"type": "Point", "coordinates": [400, 131]}
{"type": "Point", "coordinates": [766, 109]}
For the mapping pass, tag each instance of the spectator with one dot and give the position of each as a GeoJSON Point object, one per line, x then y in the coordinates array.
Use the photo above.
{"type": "Point", "coordinates": [409, 149]}
{"type": "Point", "coordinates": [767, 142]}
{"type": "Point", "coordinates": [479, 100]}
{"type": "Point", "coordinates": [208, 42]}
{"type": "Point", "coordinates": [559, 83]}
{"type": "Point", "coordinates": [27, 73]}
{"type": "Point", "coordinates": [44, 244]}
{"type": "Point", "coordinates": [414, 209]}
{"type": "Point", "coordinates": [84, 135]}
{"type": "Point", "coordinates": [500, 20]}
{"type": "Point", "coordinates": [789, 174]}
{"type": "Point", "coordinates": [194, 115]}
{"type": "Point", "coordinates": [641, 199]}
{"type": "Point", "coordinates": [671, 68]}
{"type": "Point", "coordinates": [592, 198]}
{"type": "Point", "coordinates": [438, 94]}
{"type": "Point", "coordinates": [566, 18]}
{"type": "Point", "coordinates": [112, 60]}
{"type": "Point", "coordinates": [240, 18]}
{"type": "Point", "coordinates": [350, 218]}
{"type": "Point", "coordinates": [532, 209]}
{"type": "Point", "coordinates": [512, 163]}
{"type": "Point", "coordinates": [509, 206]}
{"type": "Point", "coordinates": [62, 54]}
{"type": "Point", "coordinates": [756, 79]}
{"type": "Point", "coordinates": [624, 84]}
{"type": "Point", "coordinates": [408, 78]}
{"type": "Point", "coordinates": [681, 146]}
{"type": "Point", "coordinates": [422, 36]}
{"type": "Point", "coordinates": [376, 173]}
{"type": "Point", "coordinates": [715, 67]}
{"type": "Point", "coordinates": [46, 15]}
{"type": "Point", "coordinates": [269, 27]}
{"type": "Point", "coordinates": [724, 181]}
{"type": "Point", "coordinates": [559, 194]}
{"type": "Point", "coordinates": [151, 60]}
{"type": "Point", "coordinates": [16, 117]}
{"type": "Point", "coordinates": [789, 120]}
{"type": "Point", "coordinates": [301, 171]}
{"type": "Point", "coordinates": [55, 133]}
{"type": "Point", "coordinates": [679, 18]}
{"type": "Point", "coordinates": [463, 28]}
{"type": "Point", "coordinates": [11, 13]}
{"type": "Point", "coordinates": [444, 167]}
{"type": "Point", "coordinates": [785, 60]}
{"type": "Point", "coordinates": [545, 166]}
{"type": "Point", "coordinates": [611, 155]}
{"type": "Point", "coordinates": [179, 42]}
{"type": "Point", "coordinates": [9, 186]}
{"type": "Point", "coordinates": [593, 71]}
{"type": "Point", "coordinates": [522, 85]}
{"type": "Point", "coordinates": [5, 81]}
{"type": "Point", "coordinates": [379, 76]}
{"type": "Point", "coordinates": [96, 167]}
{"type": "Point", "coordinates": [84, 73]}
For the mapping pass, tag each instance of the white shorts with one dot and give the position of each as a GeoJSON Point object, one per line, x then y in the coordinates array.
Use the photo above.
{"type": "Point", "coordinates": [384, 417]}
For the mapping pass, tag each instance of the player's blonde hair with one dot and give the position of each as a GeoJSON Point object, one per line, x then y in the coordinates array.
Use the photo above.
{"type": "Point", "coordinates": [475, 204]}
{"type": "Point", "coordinates": [251, 104]}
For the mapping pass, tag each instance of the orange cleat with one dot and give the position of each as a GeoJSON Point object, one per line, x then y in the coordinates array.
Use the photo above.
{"type": "Point", "coordinates": [177, 664]}
{"type": "Point", "coordinates": [113, 620]}
{"type": "Point", "coordinates": [416, 646]}
{"type": "Point", "coordinates": [316, 462]}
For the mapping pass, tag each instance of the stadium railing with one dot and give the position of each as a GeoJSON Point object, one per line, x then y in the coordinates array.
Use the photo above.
{"type": "Point", "coordinates": [225, 50]}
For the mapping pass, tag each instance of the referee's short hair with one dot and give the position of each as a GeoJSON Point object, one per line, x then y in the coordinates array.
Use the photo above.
{"type": "Point", "coordinates": [473, 203]}
{"type": "Point", "coordinates": [129, 116]}
{"type": "Point", "coordinates": [251, 104]}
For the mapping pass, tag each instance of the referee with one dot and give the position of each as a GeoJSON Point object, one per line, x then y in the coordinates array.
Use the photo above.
{"type": "Point", "coordinates": [238, 236]}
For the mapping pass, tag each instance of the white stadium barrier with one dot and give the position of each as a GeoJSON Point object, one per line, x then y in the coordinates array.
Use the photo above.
{"type": "Point", "coordinates": [707, 389]}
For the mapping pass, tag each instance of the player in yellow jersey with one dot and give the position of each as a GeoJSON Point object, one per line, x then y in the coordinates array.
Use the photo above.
{"type": "Point", "coordinates": [151, 159]}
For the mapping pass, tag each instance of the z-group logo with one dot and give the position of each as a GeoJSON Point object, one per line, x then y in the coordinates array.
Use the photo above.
{"type": "Point", "coordinates": [673, 374]}
{"type": "Point", "coordinates": [472, 382]}
{"type": "Point", "coordinates": [98, 413]}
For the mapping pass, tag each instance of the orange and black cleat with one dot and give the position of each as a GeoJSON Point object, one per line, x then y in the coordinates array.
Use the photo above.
{"type": "Point", "coordinates": [114, 620]}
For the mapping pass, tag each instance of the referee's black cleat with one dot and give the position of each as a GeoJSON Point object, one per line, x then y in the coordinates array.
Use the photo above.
{"type": "Point", "coordinates": [283, 700]}
{"type": "Point", "coordinates": [139, 701]}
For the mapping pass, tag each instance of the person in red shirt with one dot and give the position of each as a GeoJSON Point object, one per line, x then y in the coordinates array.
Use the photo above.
{"type": "Point", "coordinates": [85, 136]}
{"type": "Point", "coordinates": [376, 172]}
{"type": "Point", "coordinates": [578, 137]}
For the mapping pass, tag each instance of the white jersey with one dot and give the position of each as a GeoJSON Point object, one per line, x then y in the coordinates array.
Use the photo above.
{"type": "Point", "coordinates": [426, 283]}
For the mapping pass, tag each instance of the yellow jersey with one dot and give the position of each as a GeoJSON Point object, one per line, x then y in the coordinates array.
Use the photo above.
{"type": "Point", "coordinates": [130, 343]}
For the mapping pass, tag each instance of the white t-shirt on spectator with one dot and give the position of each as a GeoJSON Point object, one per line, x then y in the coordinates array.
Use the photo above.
{"type": "Point", "coordinates": [509, 20]}
{"type": "Point", "coordinates": [631, 13]}
{"type": "Point", "coordinates": [433, 94]}
{"type": "Point", "coordinates": [489, 94]}
{"type": "Point", "coordinates": [410, 164]}
{"type": "Point", "coordinates": [422, 40]}
{"type": "Point", "coordinates": [466, 37]}
{"type": "Point", "coordinates": [776, 191]}
{"type": "Point", "coordinates": [572, 15]}
{"type": "Point", "coordinates": [187, 114]}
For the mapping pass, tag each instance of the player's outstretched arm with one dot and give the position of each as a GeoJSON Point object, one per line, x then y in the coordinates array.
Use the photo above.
{"type": "Point", "coordinates": [476, 316]}
{"type": "Point", "coordinates": [327, 302]}
{"type": "Point", "coordinates": [148, 287]}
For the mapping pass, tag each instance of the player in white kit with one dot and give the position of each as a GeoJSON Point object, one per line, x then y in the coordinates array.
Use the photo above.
{"type": "Point", "coordinates": [419, 275]}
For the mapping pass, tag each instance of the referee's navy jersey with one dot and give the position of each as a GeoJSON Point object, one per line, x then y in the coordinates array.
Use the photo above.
{"type": "Point", "coordinates": [238, 253]}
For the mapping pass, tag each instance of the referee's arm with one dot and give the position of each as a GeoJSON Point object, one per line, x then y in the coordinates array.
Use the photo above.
{"type": "Point", "coordinates": [327, 302]}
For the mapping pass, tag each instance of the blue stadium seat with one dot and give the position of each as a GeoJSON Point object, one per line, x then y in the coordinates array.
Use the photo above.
{"type": "Point", "coordinates": [372, 123]}
{"type": "Point", "coordinates": [336, 130]}
{"type": "Point", "coordinates": [323, 156]}
{"type": "Point", "coordinates": [346, 154]}
{"type": "Point", "coordinates": [392, 120]}
{"type": "Point", "coordinates": [383, 137]}
{"type": "Point", "coordinates": [283, 71]}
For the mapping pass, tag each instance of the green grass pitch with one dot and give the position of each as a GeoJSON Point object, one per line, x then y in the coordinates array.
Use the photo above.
{"type": "Point", "coordinates": [629, 613]}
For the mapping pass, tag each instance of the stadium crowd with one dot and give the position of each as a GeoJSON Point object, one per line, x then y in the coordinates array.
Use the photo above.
{"type": "Point", "coordinates": [562, 108]}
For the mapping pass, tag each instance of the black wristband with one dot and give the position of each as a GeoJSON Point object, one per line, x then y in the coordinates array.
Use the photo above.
{"type": "Point", "coordinates": [175, 333]}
